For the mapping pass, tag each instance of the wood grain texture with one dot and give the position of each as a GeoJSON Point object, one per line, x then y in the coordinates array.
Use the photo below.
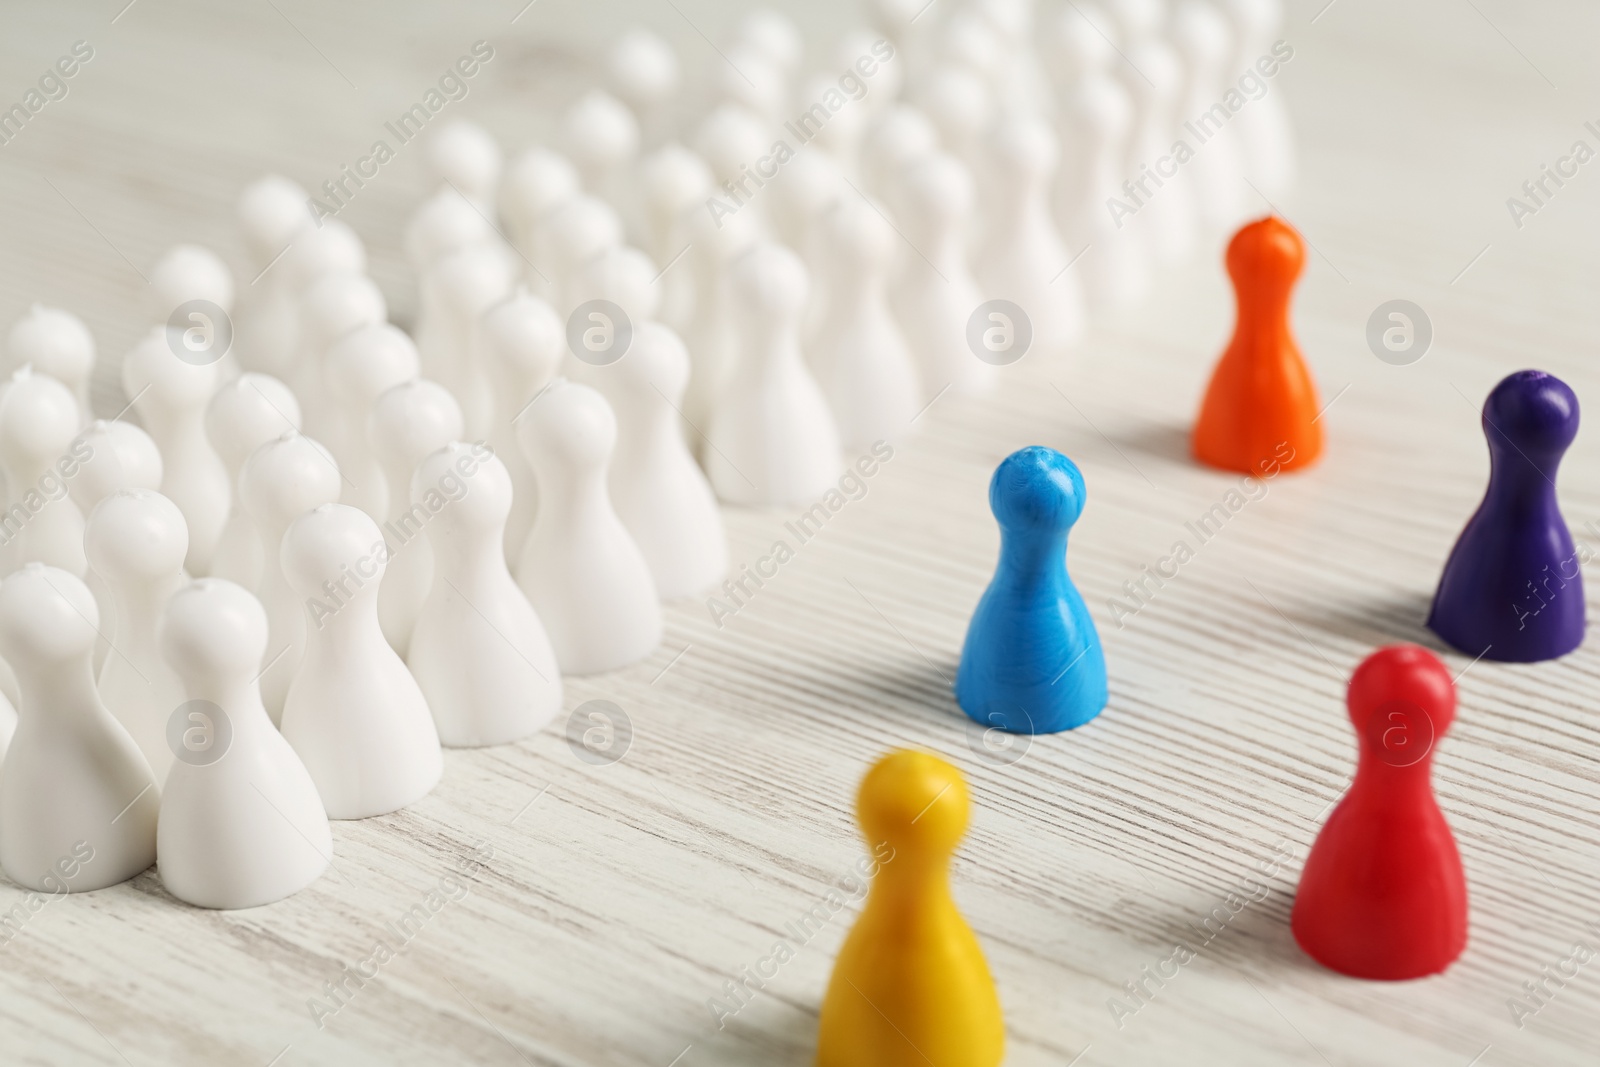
{"type": "Point", "coordinates": [619, 898]}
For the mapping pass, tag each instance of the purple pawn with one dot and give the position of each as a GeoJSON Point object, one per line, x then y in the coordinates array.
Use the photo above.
{"type": "Point", "coordinates": [1512, 588]}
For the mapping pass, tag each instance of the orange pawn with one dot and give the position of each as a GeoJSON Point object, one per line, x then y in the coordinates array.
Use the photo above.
{"type": "Point", "coordinates": [910, 986]}
{"type": "Point", "coordinates": [1260, 410]}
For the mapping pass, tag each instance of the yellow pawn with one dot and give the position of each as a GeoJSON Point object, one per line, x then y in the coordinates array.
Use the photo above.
{"type": "Point", "coordinates": [910, 987]}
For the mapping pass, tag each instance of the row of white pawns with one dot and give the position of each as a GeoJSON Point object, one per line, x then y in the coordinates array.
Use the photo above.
{"type": "Point", "coordinates": [370, 489]}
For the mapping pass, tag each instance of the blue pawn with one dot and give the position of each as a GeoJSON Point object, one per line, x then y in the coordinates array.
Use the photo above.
{"type": "Point", "coordinates": [1032, 662]}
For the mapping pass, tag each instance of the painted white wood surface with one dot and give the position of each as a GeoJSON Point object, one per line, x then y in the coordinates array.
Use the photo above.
{"type": "Point", "coordinates": [619, 898]}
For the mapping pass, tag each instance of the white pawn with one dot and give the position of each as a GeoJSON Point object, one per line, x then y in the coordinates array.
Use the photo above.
{"type": "Point", "coordinates": [408, 423]}
{"type": "Point", "coordinates": [1024, 260]}
{"type": "Point", "coordinates": [772, 439]}
{"type": "Point", "coordinates": [859, 354]}
{"type": "Point", "coordinates": [353, 713]}
{"type": "Point", "coordinates": [622, 276]}
{"type": "Point", "coordinates": [1265, 133]}
{"type": "Point", "coordinates": [444, 224]}
{"type": "Point", "coordinates": [672, 181]}
{"type": "Point", "coordinates": [1166, 210]}
{"type": "Point", "coordinates": [1216, 174]}
{"type": "Point", "coordinates": [840, 137]}
{"type": "Point", "coordinates": [899, 136]}
{"type": "Point", "coordinates": [119, 456]}
{"type": "Point", "coordinates": [752, 80]}
{"type": "Point", "coordinates": [56, 343]}
{"type": "Point", "coordinates": [8, 725]}
{"type": "Point", "coordinates": [282, 480]}
{"type": "Point", "coordinates": [581, 569]}
{"type": "Point", "coordinates": [961, 103]}
{"type": "Point", "coordinates": [315, 253]}
{"type": "Point", "coordinates": [644, 71]}
{"type": "Point", "coordinates": [469, 283]}
{"type": "Point", "coordinates": [601, 136]}
{"type": "Point", "coordinates": [78, 804]}
{"type": "Point", "coordinates": [537, 182]}
{"type": "Point", "coordinates": [135, 540]}
{"type": "Point", "coordinates": [571, 236]}
{"type": "Point", "coordinates": [1098, 114]}
{"type": "Point", "coordinates": [244, 415]}
{"type": "Point", "coordinates": [241, 823]}
{"type": "Point", "coordinates": [732, 140]}
{"type": "Point", "coordinates": [358, 369]}
{"type": "Point", "coordinates": [465, 157]}
{"type": "Point", "coordinates": [185, 273]}
{"type": "Point", "coordinates": [479, 652]}
{"type": "Point", "coordinates": [273, 213]}
{"type": "Point", "coordinates": [776, 36]}
{"type": "Point", "coordinates": [334, 306]}
{"type": "Point", "coordinates": [659, 491]}
{"type": "Point", "coordinates": [39, 451]}
{"type": "Point", "coordinates": [807, 187]}
{"type": "Point", "coordinates": [713, 346]}
{"type": "Point", "coordinates": [933, 297]}
{"type": "Point", "coordinates": [171, 395]}
{"type": "Point", "coordinates": [523, 344]}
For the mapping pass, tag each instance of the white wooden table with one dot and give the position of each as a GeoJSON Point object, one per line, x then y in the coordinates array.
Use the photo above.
{"type": "Point", "coordinates": [620, 897]}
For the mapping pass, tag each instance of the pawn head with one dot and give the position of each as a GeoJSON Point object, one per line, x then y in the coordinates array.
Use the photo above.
{"type": "Point", "coordinates": [643, 68]}
{"type": "Point", "coordinates": [120, 456]}
{"type": "Point", "coordinates": [1267, 251]}
{"type": "Point", "coordinates": [1401, 700]}
{"type": "Point", "coordinates": [135, 534]}
{"type": "Point", "coordinates": [331, 248]}
{"type": "Point", "coordinates": [771, 280]}
{"type": "Point", "coordinates": [338, 304]}
{"type": "Point", "coordinates": [38, 416]}
{"type": "Point", "coordinates": [1533, 411]}
{"type": "Point", "coordinates": [413, 419]}
{"type": "Point", "coordinates": [1036, 489]}
{"type": "Point", "coordinates": [286, 477]}
{"type": "Point", "coordinates": [525, 332]}
{"type": "Point", "coordinates": [189, 272]}
{"type": "Point", "coordinates": [333, 543]}
{"type": "Point", "coordinates": [916, 802]}
{"type": "Point", "coordinates": [465, 155]}
{"type": "Point", "coordinates": [362, 365]}
{"type": "Point", "coordinates": [536, 182]}
{"type": "Point", "coordinates": [53, 341]}
{"type": "Point", "coordinates": [46, 615]}
{"type": "Point", "coordinates": [600, 131]}
{"type": "Point", "coordinates": [673, 178]}
{"type": "Point", "coordinates": [656, 360]}
{"type": "Point", "coordinates": [271, 210]}
{"type": "Point", "coordinates": [473, 279]}
{"type": "Point", "coordinates": [214, 628]}
{"type": "Point", "coordinates": [171, 382]}
{"type": "Point", "coordinates": [569, 426]}
{"type": "Point", "coordinates": [445, 222]}
{"type": "Point", "coordinates": [247, 413]}
{"type": "Point", "coordinates": [471, 479]}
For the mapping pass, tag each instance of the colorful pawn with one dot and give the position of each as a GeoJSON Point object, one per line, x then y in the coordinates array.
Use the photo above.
{"type": "Point", "coordinates": [911, 981]}
{"type": "Point", "coordinates": [1262, 400]}
{"type": "Point", "coordinates": [1032, 662]}
{"type": "Point", "coordinates": [1382, 894]}
{"type": "Point", "coordinates": [1512, 589]}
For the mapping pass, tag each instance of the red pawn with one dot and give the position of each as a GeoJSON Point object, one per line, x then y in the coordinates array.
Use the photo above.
{"type": "Point", "coordinates": [1382, 894]}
